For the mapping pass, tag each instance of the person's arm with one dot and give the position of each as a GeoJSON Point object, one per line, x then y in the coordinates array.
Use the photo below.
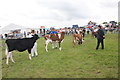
{"type": "Point", "coordinates": [50, 32]}
{"type": "Point", "coordinates": [103, 33]}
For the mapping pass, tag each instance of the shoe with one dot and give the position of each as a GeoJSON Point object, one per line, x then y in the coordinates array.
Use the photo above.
{"type": "Point", "coordinates": [96, 48]}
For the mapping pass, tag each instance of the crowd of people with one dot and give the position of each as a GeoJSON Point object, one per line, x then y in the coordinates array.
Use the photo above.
{"type": "Point", "coordinates": [41, 32]}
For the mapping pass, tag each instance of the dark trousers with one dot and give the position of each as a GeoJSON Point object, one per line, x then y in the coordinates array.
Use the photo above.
{"type": "Point", "coordinates": [83, 35]}
{"type": "Point", "coordinates": [87, 32]}
{"type": "Point", "coordinates": [98, 43]}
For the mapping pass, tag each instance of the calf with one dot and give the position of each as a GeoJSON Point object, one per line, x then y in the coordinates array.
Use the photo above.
{"type": "Point", "coordinates": [54, 38]}
{"type": "Point", "coordinates": [94, 33]}
{"type": "Point", "coordinates": [77, 37]}
{"type": "Point", "coordinates": [20, 45]}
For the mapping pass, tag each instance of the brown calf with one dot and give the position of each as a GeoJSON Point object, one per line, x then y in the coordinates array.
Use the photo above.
{"type": "Point", "coordinates": [54, 38]}
{"type": "Point", "coordinates": [77, 37]}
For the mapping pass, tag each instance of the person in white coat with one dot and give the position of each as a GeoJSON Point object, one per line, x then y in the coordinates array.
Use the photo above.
{"type": "Point", "coordinates": [34, 49]}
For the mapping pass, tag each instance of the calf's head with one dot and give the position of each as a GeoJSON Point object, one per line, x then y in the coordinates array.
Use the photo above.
{"type": "Point", "coordinates": [35, 36]}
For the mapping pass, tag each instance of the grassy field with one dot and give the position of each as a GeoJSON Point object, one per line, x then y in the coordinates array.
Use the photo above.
{"type": "Point", "coordinates": [80, 62]}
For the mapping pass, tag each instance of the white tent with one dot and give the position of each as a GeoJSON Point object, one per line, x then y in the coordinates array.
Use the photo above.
{"type": "Point", "coordinates": [10, 27]}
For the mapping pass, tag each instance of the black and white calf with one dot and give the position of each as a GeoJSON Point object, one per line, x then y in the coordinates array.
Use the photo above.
{"type": "Point", "coordinates": [21, 45]}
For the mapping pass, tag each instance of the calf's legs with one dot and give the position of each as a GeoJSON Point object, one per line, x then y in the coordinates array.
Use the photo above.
{"type": "Point", "coordinates": [74, 43]}
{"type": "Point", "coordinates": [60, 46]}
{"type": "Point", "coordinates": [7, 60]}
{"type": "Point", "coordinates": [9, 55]}
{"type": "Point", "coordinates": [30, 56]}
{"type": "Point", "coordinates": [53, 45]}
{"type": "Point", "coordinates": [46, 44]}
{"type": "Point", "coordinates": [29, 51]}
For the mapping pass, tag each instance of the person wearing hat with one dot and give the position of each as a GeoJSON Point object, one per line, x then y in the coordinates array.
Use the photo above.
{"type": "Point", "coordinates": [100, 37]}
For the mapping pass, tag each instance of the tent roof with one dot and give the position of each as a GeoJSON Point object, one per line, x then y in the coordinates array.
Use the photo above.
{"type": "Point", "coordinates": [10, 27]}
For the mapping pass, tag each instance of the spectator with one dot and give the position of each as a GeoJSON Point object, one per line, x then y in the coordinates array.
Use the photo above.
{"type": "Point", "coordinates": [1, 36]}
{"type": "Point", "coordinates": [87, 29]}
{"type": "Point", "coordinates": [18, 35]}
{"type": "Point", "coordinates": [24, 34]}
{"type": "Point", "coordinates": [48, 32]}
{"type": "Point", "coordinates": [83, 32]}
{"type": "Point", "coordinates": [34, 49]}
{"type": "Point", "coordinates": [53, 31]}
{"type": "Point", "coordinates": [6, 36]}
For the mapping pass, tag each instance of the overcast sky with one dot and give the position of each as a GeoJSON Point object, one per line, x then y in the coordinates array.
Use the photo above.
{"type": "Point", "coordinates": [57, 13]}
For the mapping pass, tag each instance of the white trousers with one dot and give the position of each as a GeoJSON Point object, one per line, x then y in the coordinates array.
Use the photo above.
{"type": "Point", "coordinates": [34, 50]}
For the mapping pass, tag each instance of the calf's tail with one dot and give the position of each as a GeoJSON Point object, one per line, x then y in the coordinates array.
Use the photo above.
{"type": "Point", "coordinates": [45, 38]}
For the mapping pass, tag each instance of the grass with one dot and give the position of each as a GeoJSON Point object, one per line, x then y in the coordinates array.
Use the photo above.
{"type": "Point", "coordinates": [80, 62]}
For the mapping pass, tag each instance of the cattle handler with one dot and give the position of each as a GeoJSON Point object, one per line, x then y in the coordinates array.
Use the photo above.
{"type": "Point", "coordinates": [100, 37]}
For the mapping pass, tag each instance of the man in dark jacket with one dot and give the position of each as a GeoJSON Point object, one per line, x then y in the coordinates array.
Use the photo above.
{"type": "Point", "coordinates": [100, 37]}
